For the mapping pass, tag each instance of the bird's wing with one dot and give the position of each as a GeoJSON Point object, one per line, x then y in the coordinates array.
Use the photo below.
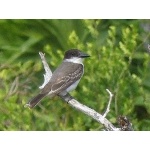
{"type": "Point", "coordinates": [60, 81]}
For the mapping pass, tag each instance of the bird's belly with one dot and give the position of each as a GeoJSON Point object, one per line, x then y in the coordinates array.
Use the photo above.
{"type": "Point", "coordinates": [73, 86]}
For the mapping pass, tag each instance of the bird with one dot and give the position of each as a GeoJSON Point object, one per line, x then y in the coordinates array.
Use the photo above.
{"type": "Point", "coordinates": [65, 78]}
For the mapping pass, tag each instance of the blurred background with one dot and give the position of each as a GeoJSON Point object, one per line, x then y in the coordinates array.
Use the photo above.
{"type": "Point", "coordinates": [120, 55]}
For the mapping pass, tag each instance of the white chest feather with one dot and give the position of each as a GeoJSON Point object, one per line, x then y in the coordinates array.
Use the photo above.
{"type": "Point", "coordinates": [73, 86]}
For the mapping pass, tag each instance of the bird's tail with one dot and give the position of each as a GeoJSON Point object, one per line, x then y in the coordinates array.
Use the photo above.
{"type": "Point", "coordinates": [34, 101]}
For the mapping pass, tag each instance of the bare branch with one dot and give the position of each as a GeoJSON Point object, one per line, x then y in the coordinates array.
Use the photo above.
{"type": "Point", "coordinates": [108, 106]}
{"type": "Point", "coordinates": [48, 72]}
{"type": "Point", "coordinates": [90, 112]}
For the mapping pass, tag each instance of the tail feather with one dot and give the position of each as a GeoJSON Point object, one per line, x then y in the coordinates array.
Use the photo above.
{"type": "Point", "coordinates": [34, 101]}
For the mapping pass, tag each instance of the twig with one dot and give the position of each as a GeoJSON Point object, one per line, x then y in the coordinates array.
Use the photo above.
{"type": "Point", "coordinates": [48, 72]}
{"type": "Point", "coordinates": [108, 106]}
{"type": "Point", "coordinates": [74, 103]}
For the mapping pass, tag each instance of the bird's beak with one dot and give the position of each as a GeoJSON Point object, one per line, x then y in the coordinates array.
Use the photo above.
{"type": "Point", "coordinates": [84, 55]}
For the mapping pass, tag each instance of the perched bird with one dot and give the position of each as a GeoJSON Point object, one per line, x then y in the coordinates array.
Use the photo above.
{"type": "Point", "coordinates": [65, 78]}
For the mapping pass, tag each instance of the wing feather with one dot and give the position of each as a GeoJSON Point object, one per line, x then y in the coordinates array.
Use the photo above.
{"type": "Point", "coordinates": [67, 81]}
{"type": "Point", "coordinates": [60, 81]}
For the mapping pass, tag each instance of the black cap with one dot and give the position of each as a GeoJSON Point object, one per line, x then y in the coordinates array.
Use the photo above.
{"type": "Point", "coordinates": [75, 53]}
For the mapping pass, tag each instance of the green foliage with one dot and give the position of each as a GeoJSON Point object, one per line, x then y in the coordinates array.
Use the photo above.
{"type": "Point", "coordinates": [119, 62]}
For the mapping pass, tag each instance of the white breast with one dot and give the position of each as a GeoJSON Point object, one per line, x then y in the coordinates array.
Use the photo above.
{"type": "Point", "coordinates": [73, 86]}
